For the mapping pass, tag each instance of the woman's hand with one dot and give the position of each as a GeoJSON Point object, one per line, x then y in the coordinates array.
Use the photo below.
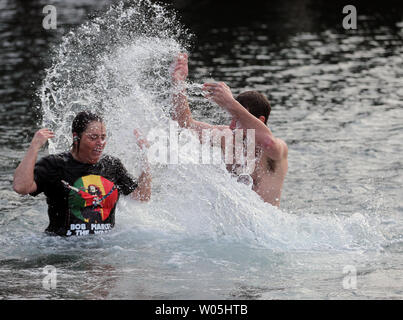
{"type": "Point", "coordinates": [141, 141]}
{"type": "Point", "coordinates": [40, 138]}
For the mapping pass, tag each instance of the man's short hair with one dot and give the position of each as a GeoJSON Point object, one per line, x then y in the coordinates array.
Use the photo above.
{"type": "Point", "coordinates": [256, 103]}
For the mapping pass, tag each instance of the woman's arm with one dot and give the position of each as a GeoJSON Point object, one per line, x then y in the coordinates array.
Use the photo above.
{"type": "Point", "coordinates": [143, 191]}
{"type": "Point", "coordinates": [24, 182]}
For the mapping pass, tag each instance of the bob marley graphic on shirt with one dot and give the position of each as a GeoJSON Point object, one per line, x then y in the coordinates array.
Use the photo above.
{"type": "Point", "coordinates": [78, 193]}
{"type": "Point", "coordinates": [91, 200]}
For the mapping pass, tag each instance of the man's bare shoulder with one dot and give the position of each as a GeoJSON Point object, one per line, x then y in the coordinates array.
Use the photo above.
{"type": "Point", "coordinates": [284, 148]}
{"type": "Point", "coordinates": [274, 164]}
{"type": "Point", "coordinates": [278, 150]}
{"type": "Point", "coordinates": [199, 125]}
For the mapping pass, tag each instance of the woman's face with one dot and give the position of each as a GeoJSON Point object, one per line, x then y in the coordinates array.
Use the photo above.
{"type": "Point", "coordinates": [92, 142]}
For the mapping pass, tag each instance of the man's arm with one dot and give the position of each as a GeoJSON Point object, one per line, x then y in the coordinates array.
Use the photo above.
{"type": "Point", "coordinates": [24, 182]}
{"type": "Point", "coordinates": [221, 94]}
{"type": "Point", "coordinates": [181, 112]}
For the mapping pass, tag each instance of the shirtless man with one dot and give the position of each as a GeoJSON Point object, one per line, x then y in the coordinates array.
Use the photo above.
{"type": "Point", "coordinates": [250, 110]}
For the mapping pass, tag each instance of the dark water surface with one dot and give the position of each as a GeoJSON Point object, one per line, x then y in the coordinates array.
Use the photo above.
{"type": "Point", "coordinates": [337, 98]}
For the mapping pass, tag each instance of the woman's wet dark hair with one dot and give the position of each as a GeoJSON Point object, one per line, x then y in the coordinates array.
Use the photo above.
{"type": "Point", "coordinates": [256, 103]}
{"type": "Point", "coordinates": [80, 124]}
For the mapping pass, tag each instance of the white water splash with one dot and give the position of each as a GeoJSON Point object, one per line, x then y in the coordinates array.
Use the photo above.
{"type": "Point", "coordinates": [118, 65]}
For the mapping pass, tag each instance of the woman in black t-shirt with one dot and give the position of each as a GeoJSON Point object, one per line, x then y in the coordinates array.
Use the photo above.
{"type": "Point", "coordinates": [82, 186]}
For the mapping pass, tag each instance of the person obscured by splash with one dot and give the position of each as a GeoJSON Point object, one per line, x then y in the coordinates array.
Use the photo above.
{"type": "Point", "coordinates": [82, 186]}
{"type": "Point", "coordinates": [249, 110]}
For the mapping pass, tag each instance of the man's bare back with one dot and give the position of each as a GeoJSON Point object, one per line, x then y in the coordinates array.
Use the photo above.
{"type": "Point", "coordinates": [268, 176]}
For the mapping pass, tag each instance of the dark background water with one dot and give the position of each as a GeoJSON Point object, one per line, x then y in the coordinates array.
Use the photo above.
{"type": "Point", "coordinates": [337, 102]}
{"type": "Point", "coordinates": [25, 45]}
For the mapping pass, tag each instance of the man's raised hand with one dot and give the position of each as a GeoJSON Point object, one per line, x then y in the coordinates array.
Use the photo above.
{"type": "Point", "coordinates": [180, 71]}
{"type": "Point", "coordinates": [218, 92]}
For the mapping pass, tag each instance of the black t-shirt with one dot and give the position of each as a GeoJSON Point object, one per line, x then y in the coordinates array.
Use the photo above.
{"type": "Point", "coordinates": [81, 197]}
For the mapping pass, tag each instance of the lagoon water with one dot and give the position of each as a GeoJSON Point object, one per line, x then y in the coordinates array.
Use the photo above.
{"type": "Point", "coordinates": [337, 100]}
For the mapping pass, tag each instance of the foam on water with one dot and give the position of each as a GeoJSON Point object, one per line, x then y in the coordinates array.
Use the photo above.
{"type": "Point", "coordinates": [118, 65]}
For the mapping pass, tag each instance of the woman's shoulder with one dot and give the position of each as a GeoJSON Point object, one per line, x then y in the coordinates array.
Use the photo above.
{"type": "Point", "coordinates": [57, 157]}
{"type": "Point", "coordinates": [52, 164]}
{"type": "Point", "coordinates": [112, 160]}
